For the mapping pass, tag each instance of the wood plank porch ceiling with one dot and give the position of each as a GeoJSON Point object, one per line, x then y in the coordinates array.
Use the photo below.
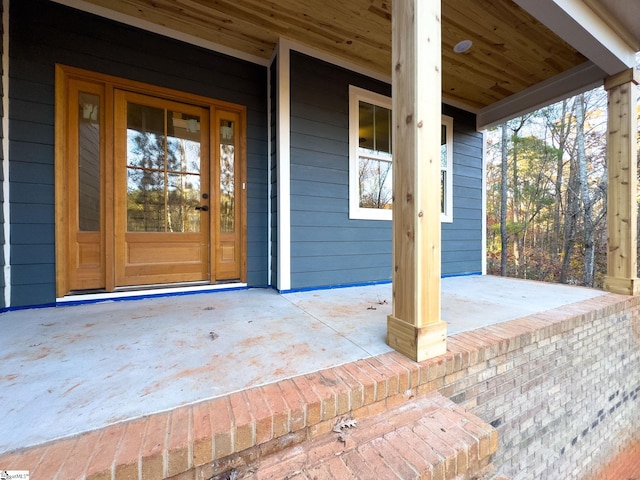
{"type": "Point", "coordinates": [511, 50]}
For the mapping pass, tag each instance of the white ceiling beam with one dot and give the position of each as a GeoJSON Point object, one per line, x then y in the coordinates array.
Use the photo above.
{"type": "Point", "coordinates": [572, 82]}
{"type": "Point", "coordinates": [584, 30]}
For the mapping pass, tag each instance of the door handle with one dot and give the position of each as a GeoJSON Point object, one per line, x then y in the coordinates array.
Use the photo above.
{"type": "Point", "coordinates": [204, 208]}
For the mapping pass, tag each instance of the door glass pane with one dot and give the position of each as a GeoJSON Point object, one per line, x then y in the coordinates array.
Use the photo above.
{"type": "Point", "coordinates": [183, 172]}
{"type": "Point", "coordinates": [183, 194]}
{"type": "Point", "coordinates": [163, 170]}
{"type": "Point", "coordinates": [145, 200]}
{"type": "Point", "coordinates": [227, 177]}
{"type": "Point", "coordinates": [89, 162]}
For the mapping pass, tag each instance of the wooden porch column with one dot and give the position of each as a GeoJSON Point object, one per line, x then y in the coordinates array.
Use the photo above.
{"type": "Point", "coordinates": [414, 327]}
{"type": "Point", "coordinates": [622, 200]}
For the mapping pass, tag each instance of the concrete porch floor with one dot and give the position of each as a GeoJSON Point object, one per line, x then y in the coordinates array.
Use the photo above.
{"type": "Point", "coordinates": [72, 369]}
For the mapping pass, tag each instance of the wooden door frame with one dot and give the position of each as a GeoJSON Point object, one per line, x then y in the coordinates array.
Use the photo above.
{"type": "Point", "coordinates": [62, 135]}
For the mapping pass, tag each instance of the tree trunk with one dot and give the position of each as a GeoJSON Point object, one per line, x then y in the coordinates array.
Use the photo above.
{"type": "Point", "coordinates": [571, 216]}
{"type": "Point", "coordinates": [516, 208]}
{"type": "Point", "coordinates": [503, 202]}
{"type": "Point", "coordinates": [517, 237]}
{"type": "Point", "coordinates": [587, 198]}
{"type": "Point", "coordinates": [561, 135]}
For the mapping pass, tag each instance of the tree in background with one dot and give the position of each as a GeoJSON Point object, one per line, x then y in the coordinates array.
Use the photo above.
{"type": "Point", "coordinates": [546, 193]}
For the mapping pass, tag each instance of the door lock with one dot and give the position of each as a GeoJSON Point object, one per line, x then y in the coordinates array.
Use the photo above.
{"type": "Point", "coordinates": [204, 208]}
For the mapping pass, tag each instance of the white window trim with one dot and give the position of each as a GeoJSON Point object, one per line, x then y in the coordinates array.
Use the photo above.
{"type": "Point", "coordinates": [356, 212]}
{"type": "Point", "coordinates": [447, 215]}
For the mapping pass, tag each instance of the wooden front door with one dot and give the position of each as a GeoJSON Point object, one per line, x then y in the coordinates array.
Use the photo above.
{"type": "Point", "coordinates": [161, 191]}
{"type": "Point", "coordinates": [150, 186]}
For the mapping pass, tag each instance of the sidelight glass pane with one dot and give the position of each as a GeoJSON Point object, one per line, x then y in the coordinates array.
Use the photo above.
{"type": "Point", "coordinates": [163, 170]}
{"type": "Point", "coordinates": [88, 162]}
{"type": "Point", "coordinates": [227, 177]}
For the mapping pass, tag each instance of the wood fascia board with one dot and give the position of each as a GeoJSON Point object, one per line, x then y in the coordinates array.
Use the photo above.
{"type": "Point", "coordinates": [161, 30]}
{"type": "Point", "coordinates": [584, 30]}
{"type": "Point", "coordinates": [572, 82]}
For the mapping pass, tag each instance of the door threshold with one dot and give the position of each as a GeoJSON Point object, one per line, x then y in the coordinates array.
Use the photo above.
{"type": "Point", "coordinates": [131, 293]}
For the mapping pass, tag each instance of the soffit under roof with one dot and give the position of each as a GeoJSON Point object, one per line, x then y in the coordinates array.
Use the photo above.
{"type": "Point", "coordinates": [512, 51]}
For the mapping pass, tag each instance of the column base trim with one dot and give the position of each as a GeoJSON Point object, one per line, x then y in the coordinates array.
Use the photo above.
{"type": "Point", "coordinates": [417, 343]}
{"type": "Point", "coordinates": [623, 286]}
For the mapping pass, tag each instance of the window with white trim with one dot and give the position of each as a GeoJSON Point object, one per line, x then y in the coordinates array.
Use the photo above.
{"type": "Point", "coordinates": [370, 158]}
{"type": "Point", "coordinates": [446, 170]}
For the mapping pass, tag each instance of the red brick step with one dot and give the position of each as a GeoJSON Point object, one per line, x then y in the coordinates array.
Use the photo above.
{"type": "Point", "coordinates": [426, 438]}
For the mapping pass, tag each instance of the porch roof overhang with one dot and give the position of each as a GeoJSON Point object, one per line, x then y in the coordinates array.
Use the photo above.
{"type": "Point", "coordinates": [525, 53]}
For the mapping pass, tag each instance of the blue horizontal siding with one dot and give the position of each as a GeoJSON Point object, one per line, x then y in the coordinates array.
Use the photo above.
{"type": "Point", "coordinates": [328, 248]}
{"type": "Point", "coordinates": [462, 239]}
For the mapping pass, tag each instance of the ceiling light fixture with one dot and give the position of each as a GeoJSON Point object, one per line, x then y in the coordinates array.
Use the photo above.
{"type": "Point", "coordinates": [462, 46]}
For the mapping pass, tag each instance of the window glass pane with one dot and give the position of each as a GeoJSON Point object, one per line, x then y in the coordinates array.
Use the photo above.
{"type": "Point", "coordinates": [163, 170]}
{"type": "Point", "coordinates": [145, 169]}
{"type": "Point", "coordinates": [145, 200]}
{"type": "Point", "coordinates": [365, 132]}
{"type": "Point", "coordinates": [375, 183]}
{"type": "Point", "coordinates": [374, 162]}
{"type": "Point", "coordinates": [227, 177]}
{"type": "Point", "coordinates": [443, 190]}
{"type": "Point", "coordinates": [183, 196]}
{"type": "Point", "coordinates": [183, 172]}
{"type": "Point", "coordinates": [443, 148]}
{"type": "Point", "coordinates": [374, 129]}
{"type": "Point", "coordinates": [89, 162]}
{"type": "Point", "coordinates": [183, 138]}
{"type": "Point", "coordinates": [145, 137]}
{"type": "Point", "coordinates": [382, 129]}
